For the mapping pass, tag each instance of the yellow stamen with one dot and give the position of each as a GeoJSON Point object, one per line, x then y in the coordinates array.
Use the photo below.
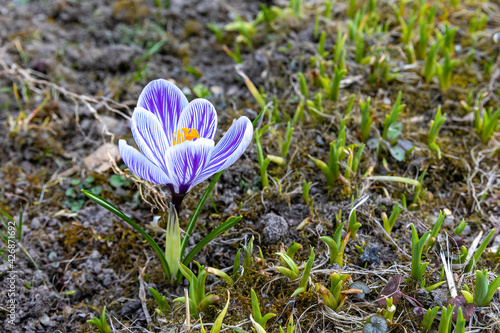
{"type": "Point", "coordinates": [184, 134]}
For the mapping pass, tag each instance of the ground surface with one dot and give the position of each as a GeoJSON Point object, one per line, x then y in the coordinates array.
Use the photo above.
{"type": "Point", "coordinates": [90, 60]}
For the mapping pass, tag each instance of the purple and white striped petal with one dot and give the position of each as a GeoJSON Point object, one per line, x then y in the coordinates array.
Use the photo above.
{"type": "Point", "coordinates": [149, 136]}
{"type": "Point", "coordinates": [200, 114]}
{"type": "Point", "coordinates": [186, 160]}
{"type": "Point", "coordinates": [166, 102]}
{"type": "Point", "coordinates": [229, 149]}
{"type": "Point", "coordinates": [140, 165]}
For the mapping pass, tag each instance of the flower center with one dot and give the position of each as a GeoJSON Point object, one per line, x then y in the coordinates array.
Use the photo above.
{"type": "Point", "coordinates": [184, 134]}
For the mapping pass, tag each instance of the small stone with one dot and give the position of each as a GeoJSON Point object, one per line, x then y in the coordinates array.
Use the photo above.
{"type": "Point", "coordinates": [35, 223]}
{"type": "Point", "coordinates": [275, 228]}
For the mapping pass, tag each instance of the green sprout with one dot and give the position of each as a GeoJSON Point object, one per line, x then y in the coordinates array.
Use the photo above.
{"type": "Point", "coordinates": [101, 323]}
{"type": "Point", "coordinates": [217, 326]}
{"type": "Point", "coordinates": [290, 327]}
{"type": "Point", "coordinates": [333, 297]}
{"type": "Point", "coordinates": [449, 39]}
{"type": "Point", "coordinates": [303, 85]}
{"type": "Point", "coordinates": [444, 69]}
{"type": "Point", "coordinates": [259, 319]}
{"type": "Point", "coordinates": [392, 128]}
{"type": "Point", "coordinates": [236, 55]}
{"type": "Point", "coordinates": [366, 119]}
{"type": "Point", "coordinates": [212, 26]}
{"type": "Point", "coordinates": [432, 287]}
{"type": "Point", "coordinates": [460, 228]}
{"type": "Point", "coordinates": [248, 254]}
{"type": "Point", "coordinates": [460, 324]}
{"type": "Point", "coordinates": [479, 252]}
{"type": "Point", "coordinates": [435, 230]}
{"type": "Point", "coordinates": [245, 29]}
{"type": "Point", "coordinates": [284, 144]}
{"type": "Point", "coordinates": [334, 88]}
{"type": "Point", "coordinates": [487, 124]}
{"type": "Point", "coordinates": [390, 309]}
{"type": "Point", "coordinates": [198, 300]}
{"type": "Point", "coordinates": [337, 245]}
{"type": "Point", "coordinates": [263, 163]}
{"type": "Point", "coordinates": [297, 7]}
{"type": "Point", "coordinates": [321, 45]}
{"type": "Point", "coordinates": [305, 275]}
{"type": "Point", "coordinates": [429, 318]}
{"type": "Point", "coordinates": [417, 269]}
{"type": "Point", "coordinates": [436, 125]}
{"type": "Point", "coordinates": [353, 224]}
{"type": "Point", "coordinates": [446, 317]}
{"type": "Point", "coordinates": [483, 294]}
{"type": "Point", "coordinates": [430, 60]}
{"type": "Point", "coordinates": [339, 47]}
{"type": "Point", "coordinates": [289, 268]}
{"type": "Point", "coordinates": [389, 222]}
{"type": "Point", "coordinates": [305, 193]}
{"type": "Point", "coordinates": [161, 301]}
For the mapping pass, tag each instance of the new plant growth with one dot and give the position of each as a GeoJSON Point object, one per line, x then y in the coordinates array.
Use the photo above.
{"type": "Point", "coordinates": [417, 245]}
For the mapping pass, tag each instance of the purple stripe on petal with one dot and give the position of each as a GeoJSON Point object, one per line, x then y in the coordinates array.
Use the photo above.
{"type": "Point", "coordinates": [149, 136]}
{"type": "Point", "coordinates": [166, 102]}
{"type": "Point", "coordinates": [200, 114]}
{"type": "Point", "coordinates": [140, 165]}
{"type": "Point", "coordinates": [185, 161]}
{"type": "Point", "coordinates": [229, 149]}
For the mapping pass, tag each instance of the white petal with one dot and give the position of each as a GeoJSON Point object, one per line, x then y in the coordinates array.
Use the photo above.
{"type": "Point", "coordinates": [186, 160]}
{"type": "Point", "coordinates": [149, 136]}
{"type": "Point", "coordinates": [200, 114]}
{"type": "Point", "coordinates": [140, 165]}
{"type": "Point", "coordinates": [229, 149]}
{"type": "Point", "coordinates": [166, 102]}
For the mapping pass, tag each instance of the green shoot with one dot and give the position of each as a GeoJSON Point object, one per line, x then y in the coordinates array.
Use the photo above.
{"type": "Point", "coordinates": [483, 294]}
{"type": "Point", "coordinates": [101, 323]}
{"type": "Point", "coordinates": [392, 128]}
{"type": "Point", "coordinates": [198, 300]}
{"type": "Point", "coordinates": [216, 30]}
{"type": "Point", "coordinates": [217, 326]}
{"type": "Point", "coordinates": [486, 125]}
{"type": "Point", "coordinates": [321, 45]}
{"type": "Point", "coordinates": [289, 268]}
{"type": "Point", "coordinates": [334, 88]}
{"type": "Point", "coordinates": [444, 69]}
{"type": "Point", "coordinates": [460, 324]}
{"type": "Point", "coordinates": [263, 163]}
{"type": "Point", "coordinates": [445, 322]}
{"type": "Point", "coordinates": [430, 60]}
{"type": "Point", "coordinates": [479, 252]}
{"type": "Point", "coordinates": [337, 245]}
{"type": "Point", "coordinates": [333, 298]}
{"type": "Point", "coordinates": [261, 320]}
{"type": "Point", "coordinates": [449, 39]}
{"type": "Point", "coordinates": [389, 222]}
{"type": "Point", "coordinates": [366, 119]}
{"type": "Point", "coordinates": [353, 224]}
{"type": "Point", "coordinates": [305, 193]}
{"type": "Point", "coordinates": [429, 318]}
{"type": "Point", "coordinates": [303, 86]}
{"type": "Point", "coordinates": [161, 301]}
{"type": "Point", "coordinates": [436, 125]}
{"type": "Point", "coordinates": [305, 275]}
{"type": "Point", "coordinates": [248, 254]}
{"type": "Point", "coordinates": [339, 47]}
{"type": "Point", "coordinates": [290, 327]}
{"type": "Point", "coordinates": [435, 230]}
{"type": "Point", "coordinates": [284, 147]}
{"type": "Point", "coordinates": [417, 269]}
{"type": "Point", "coordinates": [390, 309]}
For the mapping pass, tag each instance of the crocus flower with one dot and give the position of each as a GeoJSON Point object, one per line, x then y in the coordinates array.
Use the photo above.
{"type": "Point", "coordinates": [176, 139]}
